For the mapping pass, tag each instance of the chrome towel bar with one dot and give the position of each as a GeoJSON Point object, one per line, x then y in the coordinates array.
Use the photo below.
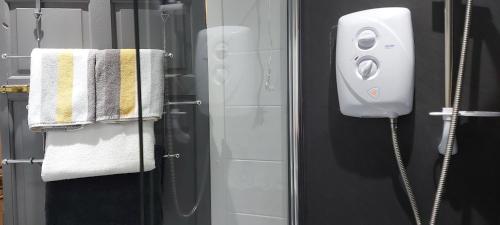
{"type": "Point", "coordinates": [40, 161]}
{"type": "Point", "coordinates": [6, 56]}
{"type": "Point", "coordinates": [197, 102]}
{"type": "Point", "coordinates": [21, 161]}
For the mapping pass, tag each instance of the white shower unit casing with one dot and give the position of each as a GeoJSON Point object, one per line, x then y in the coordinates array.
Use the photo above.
{"type": "Point", "coordinates": [375, 63]}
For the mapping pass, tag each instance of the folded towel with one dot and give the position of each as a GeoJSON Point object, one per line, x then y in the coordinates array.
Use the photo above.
{"type": "Point", "coordinates": [62, 88]}
{"type": "Point", "coordinates": [116, 84]}
{"type": "Point", "coordinates": [97, 150]}
{"type": "Point", "coordinates": [105, 200]}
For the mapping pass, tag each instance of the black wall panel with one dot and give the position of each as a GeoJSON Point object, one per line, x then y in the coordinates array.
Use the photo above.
{"type": "Point", "coordinates": [348, 172]}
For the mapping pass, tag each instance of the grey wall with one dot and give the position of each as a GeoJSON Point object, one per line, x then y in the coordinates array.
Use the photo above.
{"type": "Point", "coordinates": [83, 27]}
{"type": "Point", "coordinates": [348, 172]}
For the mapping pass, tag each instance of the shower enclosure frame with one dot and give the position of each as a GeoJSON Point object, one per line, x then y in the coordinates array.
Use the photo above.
{"type": "Point", "coordinates": [294, 105]}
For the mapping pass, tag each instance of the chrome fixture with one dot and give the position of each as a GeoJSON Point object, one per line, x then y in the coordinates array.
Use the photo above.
{"type": "Point", "coordinates": [22, 161]}
{"type": "Point", "coordinates": [6, 56]}
{"type": "Point", "coordinates": [197, 102]}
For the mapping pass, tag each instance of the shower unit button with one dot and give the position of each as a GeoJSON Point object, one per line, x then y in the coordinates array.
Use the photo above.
{"type": "Point", "coordinates": [366, 39]}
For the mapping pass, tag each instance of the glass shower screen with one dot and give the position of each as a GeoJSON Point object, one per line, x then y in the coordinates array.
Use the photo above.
{"type": "Point", "coordinates": [224, 131]}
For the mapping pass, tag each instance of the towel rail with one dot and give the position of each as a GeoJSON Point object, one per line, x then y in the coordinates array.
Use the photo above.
{"type": "Point", "coordinates": [6, 56]}
{"type": "Point", "coordinates": [40, 161]}
{"type": "Point", "coordinates": [21, 161]}
{"type": "Point", "coordinates": [24, 88]}
{"type": "Point", "coordinates": [197, 102]}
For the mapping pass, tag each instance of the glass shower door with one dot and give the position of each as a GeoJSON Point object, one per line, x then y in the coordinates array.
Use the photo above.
{"type": "Point", "coordinates": [225, 127]}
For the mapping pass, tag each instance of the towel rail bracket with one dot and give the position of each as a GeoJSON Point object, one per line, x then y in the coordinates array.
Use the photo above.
{"type": "Point", "coordinates": [175, 155]}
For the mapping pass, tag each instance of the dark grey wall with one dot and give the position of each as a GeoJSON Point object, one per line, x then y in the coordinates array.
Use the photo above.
{"type": "Point", "coordinates": [348, 172]}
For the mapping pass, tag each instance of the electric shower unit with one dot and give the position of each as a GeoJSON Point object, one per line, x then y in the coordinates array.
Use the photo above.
{"type": "Point", "coordinates": [375, 63]}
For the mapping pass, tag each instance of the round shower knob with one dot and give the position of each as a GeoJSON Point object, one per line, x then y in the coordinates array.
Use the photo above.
{"type": "Point", "coordinates": [366, 39]}
{"type": "Point", "coordinates": [367, 68]}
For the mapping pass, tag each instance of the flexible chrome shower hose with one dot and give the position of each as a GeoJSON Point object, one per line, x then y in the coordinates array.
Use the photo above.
{"type": "Point", "coordinates": [454, 116]}
{"type": "Point", "coordinates": [402, 171]}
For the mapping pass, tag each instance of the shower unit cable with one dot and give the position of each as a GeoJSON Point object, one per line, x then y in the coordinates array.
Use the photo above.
{"type": "Point", "coordinates": [402, 171]}
{"type": "Point", "coordinates": [139, 112]}
{"type": "Point", "coordinates": [454, 115]}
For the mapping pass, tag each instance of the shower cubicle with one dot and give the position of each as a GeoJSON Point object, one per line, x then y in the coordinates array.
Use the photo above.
{"type": "Point", "coordinates": [227, 131]}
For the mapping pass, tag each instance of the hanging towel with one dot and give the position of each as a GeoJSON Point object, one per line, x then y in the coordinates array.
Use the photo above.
{"type": "Point", "coordinates": [105, 200]}
{"type": "Point", "coordinates": [97, 150]}
{"type": "Point", "coordinates": [116, 84]}
{"type": "Point", "coordinates": [62, 89]}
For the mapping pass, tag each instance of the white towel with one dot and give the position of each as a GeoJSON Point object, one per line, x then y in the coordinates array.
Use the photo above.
{"type": "Point", "coordinates": [116, 84]}
{"type": "Point", "coordinates": [62, 88]}
{"type": "Point", "coordinates": [97, 150]}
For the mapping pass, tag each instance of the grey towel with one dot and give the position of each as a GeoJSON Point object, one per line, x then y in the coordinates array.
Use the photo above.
{"type": "Point", "coordinates": [116, 85]}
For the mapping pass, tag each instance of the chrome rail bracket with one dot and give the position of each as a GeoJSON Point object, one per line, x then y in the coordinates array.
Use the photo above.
{"type": "Point", "coordinates": [446, 115]}
{"type": "Point", "coordinates": [197, 102]}
{"type": "Point", "coordinates": [170, 156]}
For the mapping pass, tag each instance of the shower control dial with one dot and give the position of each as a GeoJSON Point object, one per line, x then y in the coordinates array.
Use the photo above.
{"type": "Point", "coordinates": [366, 39]}
{"type": "Point", "coordinates": [367, 68]}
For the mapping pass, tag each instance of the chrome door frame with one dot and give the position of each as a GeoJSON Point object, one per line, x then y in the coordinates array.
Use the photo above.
{"type": "Point", "coordinates": [294, 103]}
